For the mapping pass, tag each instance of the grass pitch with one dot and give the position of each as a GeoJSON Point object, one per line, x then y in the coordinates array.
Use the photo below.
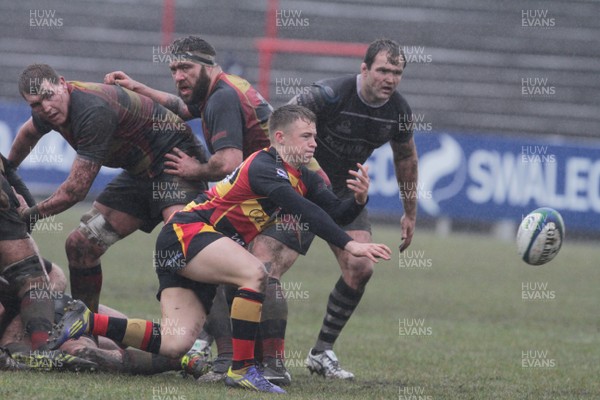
{"type": "Point", "coordinates": [459, 317]}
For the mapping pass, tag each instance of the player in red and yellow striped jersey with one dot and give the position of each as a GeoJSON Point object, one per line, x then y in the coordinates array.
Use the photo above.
{"type": "Point", "coordinates": [201, 246]}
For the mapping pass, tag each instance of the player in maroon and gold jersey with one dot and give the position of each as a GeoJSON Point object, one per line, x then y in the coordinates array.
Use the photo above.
{"type": "Point", "coordinates": [201, 246]}
{"type": "Point", "coordinates": [107, 126]}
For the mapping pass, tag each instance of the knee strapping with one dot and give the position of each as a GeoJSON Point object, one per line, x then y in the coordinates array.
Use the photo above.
{"type": "Point", "coordinates": [97, 229]}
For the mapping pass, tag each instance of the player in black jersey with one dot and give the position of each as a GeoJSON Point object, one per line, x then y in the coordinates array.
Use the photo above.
{"type": "Point", "coordinates": [107, 126]}
{"type": "Point", "coordinates": [355, 115]}
{"type": "Point", "coordinates": [201, 246]}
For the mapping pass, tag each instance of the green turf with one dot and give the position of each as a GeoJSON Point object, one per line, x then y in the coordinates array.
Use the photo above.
{"type": "Point", "coordinates": [466, 329]}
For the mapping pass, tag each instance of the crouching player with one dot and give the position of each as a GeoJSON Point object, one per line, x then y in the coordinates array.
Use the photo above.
{"type": "Point", "coordinates": [201, 246]}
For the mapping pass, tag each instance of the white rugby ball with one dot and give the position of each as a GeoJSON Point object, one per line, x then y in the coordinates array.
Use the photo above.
{"type": "Point", "coordinates": [540, 236]}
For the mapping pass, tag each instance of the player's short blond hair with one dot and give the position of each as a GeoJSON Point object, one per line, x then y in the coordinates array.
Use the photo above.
{"type": "Point", "coordinates": [286, 115]}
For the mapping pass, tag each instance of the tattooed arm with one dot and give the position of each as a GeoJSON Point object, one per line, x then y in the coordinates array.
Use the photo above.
{"type": "Point", "coordinates": [407, 174]}
{"type": "Point", "coordinates": [69, 193]}
{"type": "Point", "coordinates": [167, 100]}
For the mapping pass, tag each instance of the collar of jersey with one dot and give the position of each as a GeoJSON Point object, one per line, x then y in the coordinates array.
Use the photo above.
{"type": "Point", "coordinates": [289, 168]}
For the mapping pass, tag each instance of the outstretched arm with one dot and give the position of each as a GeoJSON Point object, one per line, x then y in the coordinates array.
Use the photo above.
{"type": "Point", "coordinates": [167, 100]}
{"type": "Point", "coordinates": [321, 224]}
{"type": "Point", "coordinates": [219, 165]}
{"type": "Point", "coordinates": [70, 192]}
{"type": "Point", "coordinates": [345, 211]}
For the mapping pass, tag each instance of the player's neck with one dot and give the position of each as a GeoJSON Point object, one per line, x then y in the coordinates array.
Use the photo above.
{"type": "Point", "coordinates": [363, 94]}
{"type": "Point", "coordinates": [287, 158]}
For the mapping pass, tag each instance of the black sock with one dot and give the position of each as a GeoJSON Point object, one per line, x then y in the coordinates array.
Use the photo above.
{"type": "Point", "coordinates": [342, 303]}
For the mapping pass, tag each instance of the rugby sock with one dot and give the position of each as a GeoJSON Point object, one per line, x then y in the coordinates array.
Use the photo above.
{"type": "Point", "coordinates": [218, 323]}
{"type": "Point", "coordinates": [86, 284]}
{"type": "Point", "coordinates": [37, 311]}
{"type": "Point", "coordinates": [245, 318]}
{"type": "Point", "coordinates": [274, 321]}
{"type": "Point", "coordinates": [342, 302]}
{"type": "Point", "coordinates": [139, 333]}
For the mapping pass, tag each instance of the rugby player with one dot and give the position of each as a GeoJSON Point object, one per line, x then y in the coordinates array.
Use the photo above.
{"type": "Point", "coordinates": [201, 246]}
{"type": "Point", "coordinates": [84, 353]}
{"type": "Point", "coordinates": [113, 127]}
{"type": "Point", "coordinates": [234, 123]}
{"type": "Point", "coordinates": [24, 283]}
{"type": "Point", "coordinates": [355, 115]}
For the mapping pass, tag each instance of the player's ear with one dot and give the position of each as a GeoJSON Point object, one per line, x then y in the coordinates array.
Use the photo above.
{"type": "Point", "coordinates": [279, 137]}
{"type": "Point", "coordinates": [363, 68]}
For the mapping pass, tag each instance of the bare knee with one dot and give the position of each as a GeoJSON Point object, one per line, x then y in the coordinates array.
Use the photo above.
{"type": "Point", "coordinates": [356, 271]}
{"type": "Point", "coordinates": [276, 256]}
{"type": "Point", "coordinates": [257, 279]}
{"type": "Point", "coordinates": [175, 346]}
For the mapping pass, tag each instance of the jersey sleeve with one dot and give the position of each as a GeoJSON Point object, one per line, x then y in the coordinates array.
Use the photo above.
{"type": "Point", "coordinates": [93, 130]}
{"type": "Point", "coordinates": [223, 119]}
{"type": "Point", "coordinates": [320, 98]}
{"type": "Point", "coordinates": [343, 211]}
{"type": "Point", "coordinates": [266, 175]}
{"type": "Point", "coordinates": [268, 179]}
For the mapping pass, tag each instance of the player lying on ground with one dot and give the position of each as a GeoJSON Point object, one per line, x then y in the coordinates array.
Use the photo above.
{"type": "Point", "coordinates": [17, 343]}
{"type": "Point", "coordinates": [201, 246]}
{"type": "Point", "coordinates": [85, 353]}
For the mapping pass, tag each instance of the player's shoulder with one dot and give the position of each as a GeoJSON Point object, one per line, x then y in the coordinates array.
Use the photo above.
{"type": "Point", "coordinates": [338, 85]}
{"type": "Point", "coordinates": [233, 81]}
{"type": "Point", "coordinates": [89, 94]}
{"type": "Point", "coordinates": [267, 162]}
{"type": "Point", "coordinates": [260, 159]}
{"type": "Point", "coordinates": [223, 94]}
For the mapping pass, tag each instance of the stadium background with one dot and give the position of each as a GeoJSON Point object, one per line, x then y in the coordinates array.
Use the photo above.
{"type": "Point", "coordinates": [505, 94]}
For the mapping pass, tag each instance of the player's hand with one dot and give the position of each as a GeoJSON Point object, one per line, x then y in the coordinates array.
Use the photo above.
{"type": "Point", "coordinates": [122, 79]}
{"type": "Point", "coordinates": [408, 229]}
{"type": "Point", "coordinates": [373, 251]}
{"type": "Point", "coordinates": [182, 165]}
{"type": "Point", "coordinates": [360, 183]}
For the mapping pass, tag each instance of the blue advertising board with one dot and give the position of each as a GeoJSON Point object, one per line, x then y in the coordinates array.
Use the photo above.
{"type": "Point", "coordinates": [465, 177]}
{"type": "Point", "coordinates": [493, 177]}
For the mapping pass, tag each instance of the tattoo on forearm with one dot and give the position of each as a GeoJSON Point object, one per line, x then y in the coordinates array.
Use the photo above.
{"type": "Point", "coordinates": [74, 189]}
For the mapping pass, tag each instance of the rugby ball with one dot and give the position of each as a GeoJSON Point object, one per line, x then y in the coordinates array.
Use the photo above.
{"type": "Point", "coordinates": [540, 236]}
